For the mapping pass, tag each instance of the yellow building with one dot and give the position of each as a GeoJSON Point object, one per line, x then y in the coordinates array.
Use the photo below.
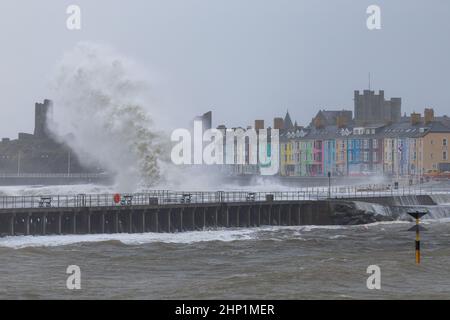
{"type": "Point", "coordinates": [287, 163]}
{"type": "Point", "coordinates": [435, 151]}
{"type": "Point", "coordinates": [416, 148]}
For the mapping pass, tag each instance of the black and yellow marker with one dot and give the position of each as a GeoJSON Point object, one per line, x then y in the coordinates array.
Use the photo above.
{"type": "Point", "coordinates": [417, 228]}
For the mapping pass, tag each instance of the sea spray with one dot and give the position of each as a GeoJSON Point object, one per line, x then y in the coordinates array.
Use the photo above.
{"type": "Point", "coordinates": [102, 104]}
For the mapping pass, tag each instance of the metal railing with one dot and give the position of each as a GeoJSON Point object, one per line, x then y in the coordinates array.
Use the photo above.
{"type": "Point", "coordinates": [52, 175]}
{"type": "Point", "coordinates": [165, 197]}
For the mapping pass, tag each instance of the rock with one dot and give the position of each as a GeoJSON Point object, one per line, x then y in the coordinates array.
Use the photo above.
{"type": "Point", "coordinates": [346, 213]}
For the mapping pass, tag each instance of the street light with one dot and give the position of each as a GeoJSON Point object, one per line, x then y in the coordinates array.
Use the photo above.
{"type": "Point", "coordinates": [329, 185]}
{"type": "Point", "coordinates": [18, 163]}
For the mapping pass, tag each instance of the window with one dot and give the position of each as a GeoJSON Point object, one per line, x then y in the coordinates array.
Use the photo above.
{"type": "Point", "coordinates": [366, 156]}
{"type": "Point", "coordinates": [375, 157]}
{"type": "Point", "coordinates": [444, 155]}
{"type": "Point", "coordinates": [366, 144]}
{"type": "Point", "coordinates": [375, 143]}
{"type": "Point", "coordinates": [444, 142]}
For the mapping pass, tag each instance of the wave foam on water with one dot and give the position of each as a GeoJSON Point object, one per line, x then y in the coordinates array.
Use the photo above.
{"type": "Point", "coordinates": [105, 113]}
{"type": "Point", "coordinates": [19, 242]}
{"type": "Point", "coordinates": [224, 235]}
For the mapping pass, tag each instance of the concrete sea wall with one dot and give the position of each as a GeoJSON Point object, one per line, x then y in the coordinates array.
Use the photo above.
{"type": "Point", "coordinates": [166, 218]}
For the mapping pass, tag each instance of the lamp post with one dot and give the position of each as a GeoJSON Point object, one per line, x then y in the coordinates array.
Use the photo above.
{"type": "Point", "coordinates": [329, 185]}
{"type": "Point", "coordinates": [68, 162]}
{"type": "Point", "coordinates": [18, 163]}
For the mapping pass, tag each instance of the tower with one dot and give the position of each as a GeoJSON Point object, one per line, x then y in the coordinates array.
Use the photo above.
{"type": "Point", "coordinates": [372, 108]}
{"type": "Point", "coordinates": [42, 111]}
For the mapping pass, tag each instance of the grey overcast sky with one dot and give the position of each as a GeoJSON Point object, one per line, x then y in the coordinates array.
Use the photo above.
{"type": "Point", "coordinates": [243, 59]}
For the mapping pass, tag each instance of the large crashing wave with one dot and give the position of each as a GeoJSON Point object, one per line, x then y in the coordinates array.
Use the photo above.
{"type": "Point", "coordinates": [103, 101]}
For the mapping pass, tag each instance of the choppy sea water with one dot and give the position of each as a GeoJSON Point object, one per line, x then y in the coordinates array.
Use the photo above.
{"type": "Point", "coordinates": [304, 262]}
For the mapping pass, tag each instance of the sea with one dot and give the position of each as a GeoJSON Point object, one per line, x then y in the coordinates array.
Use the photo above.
{"type": "Point", "coordinates": [301, 262]}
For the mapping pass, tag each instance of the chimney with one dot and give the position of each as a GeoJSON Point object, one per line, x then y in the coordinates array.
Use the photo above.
{"type": "Point", "coordinates": [415, 118]}
{"type": "Point", "coordinates": [278, 123]}
{"type": "Point", "coordinates": [341, 121]}
{"type": "Point", "coordinates": [429, 115]}
{"type": "Point", "coordinates": [259, 124]}
{"type": "Point", "coordinates": [318, 123]}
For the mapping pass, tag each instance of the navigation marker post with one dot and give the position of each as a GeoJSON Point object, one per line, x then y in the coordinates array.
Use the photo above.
{"type": "Point", "coordinates": [417, 228]}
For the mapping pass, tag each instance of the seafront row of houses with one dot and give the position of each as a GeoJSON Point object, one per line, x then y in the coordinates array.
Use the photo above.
{"type": "Point", "coordinates": [413, 146]}
{"type": "Point", "coordinates": [374, 139]}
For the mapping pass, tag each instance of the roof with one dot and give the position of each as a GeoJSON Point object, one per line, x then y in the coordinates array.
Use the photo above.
{"type": "Point", "coordinates": [407, 130]}
{"type": "Point", "coordinates": [287, 121]}
{"type": "Point", "coordinates": [402, 129]}
{"type": "Point", "coordinates": [330, 116]}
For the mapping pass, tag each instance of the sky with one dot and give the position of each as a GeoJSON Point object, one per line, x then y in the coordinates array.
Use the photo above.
{"type": "Point", "coordinates": [242, 59]}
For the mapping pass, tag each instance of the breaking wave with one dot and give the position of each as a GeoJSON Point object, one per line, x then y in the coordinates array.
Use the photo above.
{"type": "Point", "coordinates": [102, 106]}
{"type": "Point", "coordinates": [19, 242]}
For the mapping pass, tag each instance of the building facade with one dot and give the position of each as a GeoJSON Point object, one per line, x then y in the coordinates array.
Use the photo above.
{"type": "Point", "coordinates": [376, 141]}
{"type": "Point", "coordinates": [387, 145]}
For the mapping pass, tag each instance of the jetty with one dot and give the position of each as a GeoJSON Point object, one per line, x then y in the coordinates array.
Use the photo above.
{"type": "Point", "coordinates": [172, 211]}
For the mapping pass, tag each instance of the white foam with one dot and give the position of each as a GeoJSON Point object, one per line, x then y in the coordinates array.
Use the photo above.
{"type": "Point", "coordinates": [225, 235]}
{"type": "Point", "coordinates": [441, 199]}
{"type": "Point", "coordinates": [40, 190]}
{"type": "Point", "coordinates": [379, 223]}
{"type": "Point", "coordinates": [18, 242]}
{"type": "Point", "coordinates": [376, 209]}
